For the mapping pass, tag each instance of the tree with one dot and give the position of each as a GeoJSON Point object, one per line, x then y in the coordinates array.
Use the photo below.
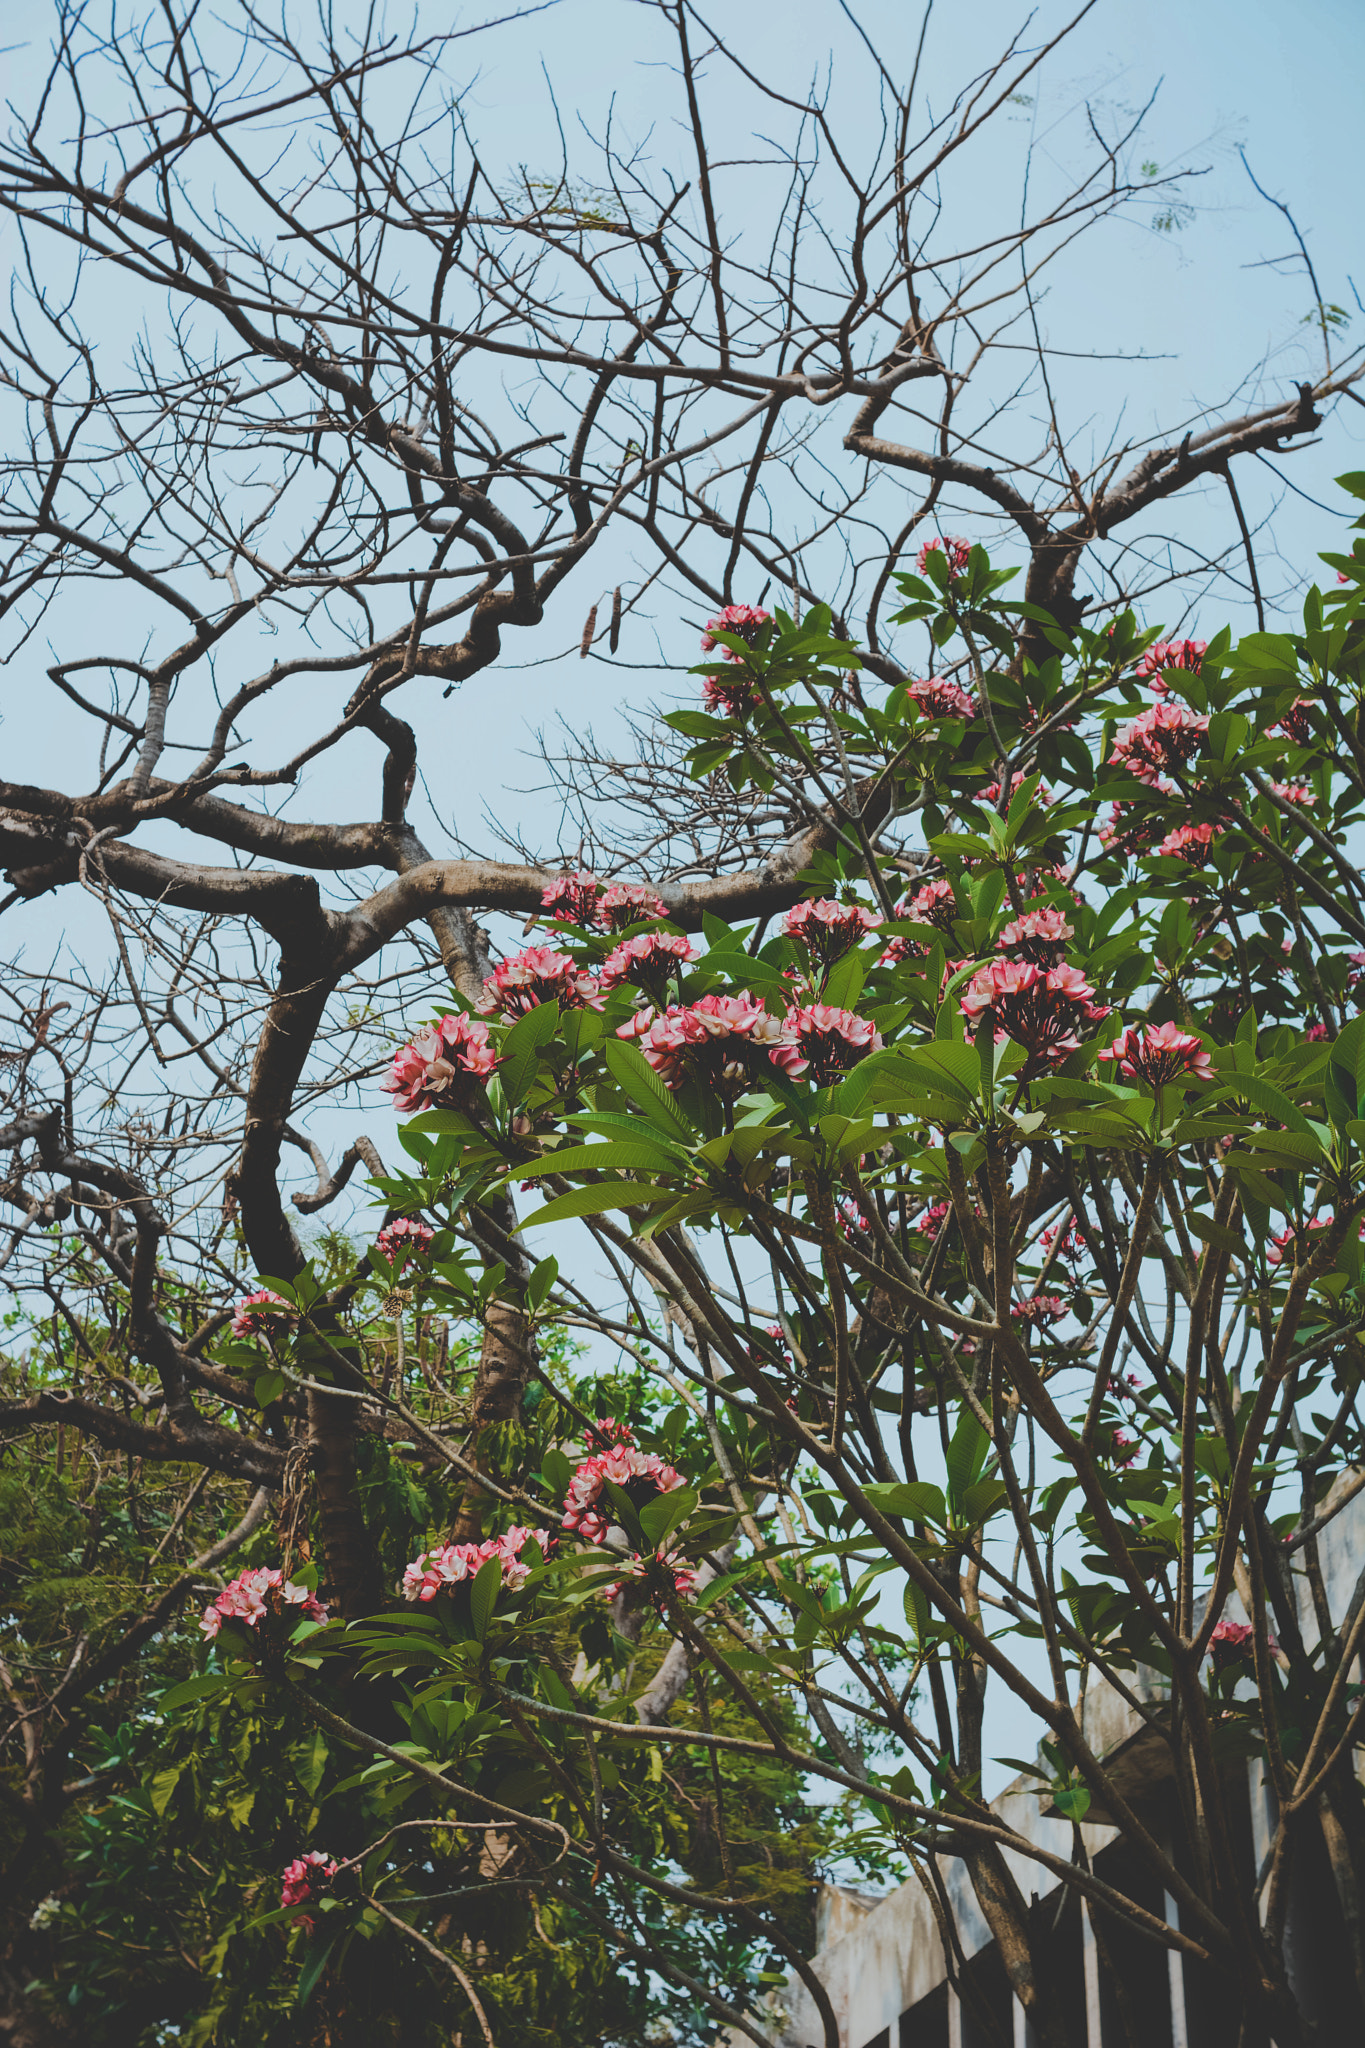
{"type": "Point", "coordinates": [305, 436]}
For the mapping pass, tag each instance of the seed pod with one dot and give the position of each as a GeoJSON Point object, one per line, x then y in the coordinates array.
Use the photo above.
{"type": "Point", "coordinates": [586, 642]}
{"type": "Point", "coordinates": [614, 641]}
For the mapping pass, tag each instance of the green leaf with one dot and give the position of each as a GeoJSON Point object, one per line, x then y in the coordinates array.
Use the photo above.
{"type": "Point", "coordinates": [966, 1456]}
{"type": "Point", "coordinates": [521, 1049]}
{"type": "Point", "coordinates": [541, 1281]}
{"type": "Point", "coordinates": [162, 1788]}
{"type": "Point", "coordinates": [913, 1501]}
{"type": "Point", "coordinates": [314, 1965]}
{"type": "Point", "coordinates": [658, 1518]}
{"type": "Point", "coordinates": [846, 978]}
{"type": "Point", "coordinates": [1072, 1802]}
{"type": "Point", "coordinates": [596, 1200]}
{"type": "Point", "coordinates": [483, 1595]}
{"type": "Point", "coordinates": [634, 1075]}
{"type": "Point", "coordinates": [643, 1155]}
{"type": "Point", "coordinates": [981, 1501]}
{"type": "Point", "coordinates": [557, 1472]}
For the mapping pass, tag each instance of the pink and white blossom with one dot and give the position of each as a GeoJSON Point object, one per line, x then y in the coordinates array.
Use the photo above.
{"type": "Point", "coordinates": [306, 1879]}
{"type": "Point", "coordinates": [405, 1238]}
{"type": "Point", "coordinates": [539, 975]}
{"type": "Point", "coordinates": [1187, 842]}
{"type": "Point", "coordinates": [1165, 737]}
{"type": "Point", "coordinates": [572, 899]}
{"type": "Point", "coordinates": [1038, 935]}
{"type": "Point", "coordinates": [451, 1564]}
{"type": "Point", "coordinates": [940, 697]}
{"type": "Point", "coordinates": [1160, 1056]}
{"type": "Point", "coordinates": [827, 929]}
{"type": "Point", "coordinates": [1040, 1008]}
{"type": "Point", "coordinates": [648, 962]}
{"type": "Point", "coordinates": [440, 1067]}
{"type": "Point", "coordinates": [253, 1595]}
{"type": "Point", "coordinates": [824, 1042]}
{"type": "Point", "coordinates": [716, 1039]}
{"type": "Point", "coordinates": [1168, 655]}
{"type": "Point", "coordinates": [259, 1311]}
{"type": "Point", "coordinates": [956, 551]}
{"type": "Point", "coordinates": [627, 903]}
{"type": "Point", "coordinates": [641, 1475]}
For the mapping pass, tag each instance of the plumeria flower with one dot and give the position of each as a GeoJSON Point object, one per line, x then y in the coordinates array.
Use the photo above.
{"type": "Point", "coordinates": [1300, 1242]}
{"type": "Point", "coordinates": [713, 1040]}
{"type": "Point", "coordinates": [824, 1042]}
{"type": "Point", "coordinates": [1187, 842]}
{"type": "Point", "coordinates": [827, 929]}
{"type": "Point", "coordinates": [1165, 737]}
{"type": "Point", "coordinates": [254, 1595]}
{"type": "Point", "coordinates": [742, 619]}
{"type": "Point", "coordinates": [1123, 1448]}
{"type": "Point", "coordinates": [1294, 793]}
{"type": "Point", "coordinates": [453, 1563]}
{"type": "Point", "coordinates": [641, 1475]}
{"type": "Point", "coordinates": [539, 975]}
{"type": "Point", "coordinates": [933, 904]}
{"type": "Point", "coordinates": [306, 1879]}
{"type": "Point", "coordinates": [1039, 1309]}
{"type": "Point", "coordinates": [1297, 723]}
{"type": "Point", "coordinates": [931, 1220]}
{"type": "Point", "coordinates": [573, 899]}
{"type": "Point", "coordinates": [940, 697]}
{"type": "Point", "coordinates": [956, 551]}
{"type": "Point", "coordinates": [648, 962]}
{"type": "Point", "coordinates": [403, 1239]}
{"type": "Point", "coordinates": [438, 1069]}
{"type": "Point", "coordinates": [1159, 1057]}
{"type": "Point", "coordinates": [1041, 1009]}
{"type": "Point", "coordinates": [1168, 655]}
{"type": "Point", "coordinates": [1039, 935]}
{"type": "Point", "coordinates": [256, 1312]}
{"type": "Point", "coordinates": [991, 793]}
{"type": "Point", "coordinates": [1232, 1641]}
{"type": "Point", "coordinates": [627, 903]}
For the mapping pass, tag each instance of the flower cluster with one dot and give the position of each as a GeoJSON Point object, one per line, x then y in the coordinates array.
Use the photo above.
{"type": "Point", "coordinates": [1122, 1448]}
{"type": "Point", "coordinates": [641, 1475]}
{"type": "Point", "coordinates": [1041, 1008]}
{"type": "Point", "coordinates": [1232, 1641]}
{"type": "Point", "coordinates": [1039, 935]}
{"type": "Point", "coordinates": [932, 1220]}
{"type": "Point", "coordinates": [572, 899]}
{"type": "Point", "coordinates": [304, 1880]}
{"type": "Point", "coordinates": [403, 1239]}
{"type": "Point", "coordinates": [1160, 1057]}
{"type": "Point", "coordinates": [254, 1595]}
{"type": "Point", "coordinates": [956, 551]}
{"type": "Point", "coordinates": [1039, 1309]}
{"type": "Point", "coordinates": [453, 1563]}
{"type": "Point", "coordinates": [1123, 832]}
{"type": "Point", "coordinates": [741, 619]}
{"type": "Point", "coordinates": [1297, 723]}
{"type": "Point", "coordinates": [827, 929]}
{"type": "Point", "coordinates": [1289, 1239]}
{"type": "Point", "coordinates": [1165, 737]}
{"type": "Point", "coordinates": [257, 1312]}
{"type": "Point", "coordinates": [438, 1068]}
{"type": "Point", "coordinates": [1072, 1246]}
{"type": "Point", "coordinates": [647, 961]}
{"type": "Point", "coordinates": [939, 697]}
{"type": "Point", "coordinates": [627, 903]}
{"type": "Point", "coordinates": [824, 1042]}
{"type": "Point", "coordinates": [991, 794]}
{"type": "Point", "coordinates": [1187, 842]}
{"type": "Point", "coordinates": [1294, 793]}
{"type": "Point", "coordinates": [539, 975]}
{"type": "Point", "coordinates": [933, 904]}
{"type": "Point", "coordinates": [1167, 655]}
{"type": "Point", "coordinates": [712, 1040]}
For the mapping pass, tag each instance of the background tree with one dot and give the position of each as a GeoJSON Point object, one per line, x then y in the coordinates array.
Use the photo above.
{"type": "Point", "coordinates": [332, 425]}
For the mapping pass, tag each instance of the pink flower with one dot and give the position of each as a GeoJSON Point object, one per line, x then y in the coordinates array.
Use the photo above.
{"type": "Point", "coordinates": [932, 1220]}
{"type": "Point", "coordinates": [1187, 842]}
{"type": "Point", "coordinates": [648, 962]}
{"type": "Point", "coordinates": [539, 975]}
{"type": "Point", "coordinates": [573, 899]}
{"type": "Point", "coordinates": [741, 619]}
{"type": "Point", "coordinates": [627, 903]}
{"type": "Point", "coordinates": [1165, 1053]}
{"type": "Point", "coordinates": [403, 1239]}
{"type": "Point", "coordinates": [1039, 936]}
{"type": "Point", "coordinates": [1300, 1241]}
{"type": "Point", "coordinates": [1165, 737]}
{"type": "Point", "coordinates": [253, 1595]}
{"type": "Point", "coordinates": [715, 1039]}
{"type": "Point", "coordinates": [1122, 1448]}
{"type": "Point", "coordinates": [1294, 793]}
{"type": "Point", "coordinates": [306, 1879]}
{"type": "Point", "coordinates": [1233, 1640]}
{"type": "Point", "coordinates": [1168, 655]}
{"type": "Point", "coordinates": [453, 1563]}
{"type": "Point", "coordinates": [956, 551]}
{"type": "Point", "coordinates": [826, 929]}
{"type": "Point", "coordinates": [438, 1068]}
{"type": "Point", "coordinates": [991, 793]}
{"type": "Point", "coordinates": [1297, 723]}
{"type": "Point", "coordinates": [898, 949]}
{"type": "Point", "coordinates": [252, 1313]}
{"type": "Point", "coordinates": [933, 904]}
{"type": "Point", "coordinates": [938, 697]}
{"type": "Point", "coordinates": [1315, 1033]}
{"type": "Point", "coordinates": [1039, 1308]}
{"type": "Point", "coordinates": [826, 1041]}
{"type": "Point", "coordinates": [641, 1475]}
{"type": "Point", "coordinates": [1072, 1246]}
{"type": "Point", "coordinates": [1042, 1009]}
